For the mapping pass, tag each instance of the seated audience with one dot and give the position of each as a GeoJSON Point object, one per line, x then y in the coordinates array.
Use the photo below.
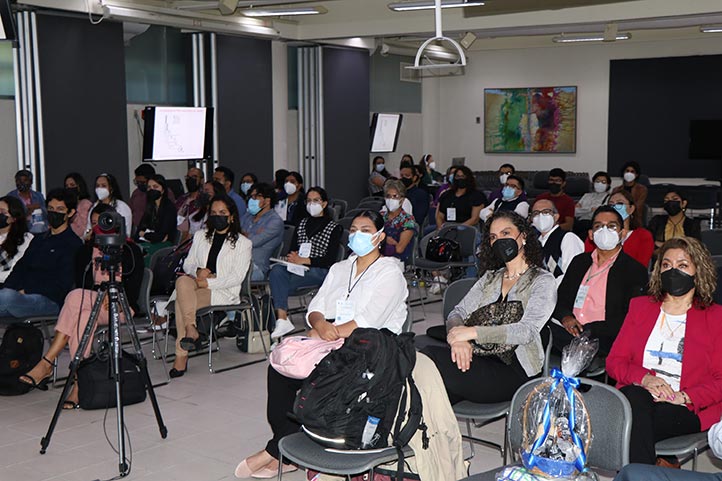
{"type": "Point", "coordinates": [212, 189]}
{"type": "Point", "coordinates": [597, 287]}
{"type": "Point", "coordinates": [378, 176]}
{"type": "Point", "coordinates": [377, 297]}
{"type": "Point", "coordinates": [34, 202]}
{"type": "Point", "coordinates": [279, 179]}
{"type": "Point", "coordinates": [138, 200]}
{"type": "Point", "coordinates": [263, 227]}
{"type": "Point", "coordinates": [462, 203]}
{"type": "Point", "coordinates": [190, 204]}
{"type": "Point", "coordinates": [248, 180]}
{"type": "Point", "coordinates": [667, 358]}
{"type": "Point", "coordinates": [14, 236]}
{"type": "Point", "coordinates": [418, 197]}
{"type": "Point", "coordinates": [559, 247]}
{"type": "Point", "coordinates": [589, 202]}
{"type": "Point", "coordinates": [107, 191]}
{"type": "Point", "coordinates": [315, 245]}
{"type": "Point", "coordinates": [563, 203]}
{"type": "Point", "coordinates": [638, 243]}
{"type": "Point", "coordinates": [504, 172]}
{"type": "Point", "coordinates": [511, 199]}
{"type": "Point", "coordinates": [511, 257]}
{"type": "Point", "coordinates": [675, 223]}
{"type": "Point", "coordinates": [158, 227]}
{"type": "Point", "coordinates": [225, 177]}
{"type": "Point", "coordinates": [215, 269]}
{"type": "Point", "coordinates": [43, 276]}
{"type": "Point", "coordinates": [75, 183]}
{"type": "Point", "coordinates": [429, 175]}
{"type": "Point", "coordinates": [446, 185]}
{"type": "Point", "coordinates": [399, 226]}
{"type": "Point", "coordinates": [630, 175]}
{"type": "Point", "coordinates": [75, 313]}
{"type": "Point", "coordinates": [292, 209]}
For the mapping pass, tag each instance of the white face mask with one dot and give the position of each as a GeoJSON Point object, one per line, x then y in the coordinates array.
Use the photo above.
{"type": "Point", "coordinates": [102, 193]}
{"type": "Point", "coordinates": [543, 222]}
{"type": "Point", "coordinates": [393, 204]}
{"type": "Point", "coordinates": [289, 188]}
{"type": "Point", "coordinates": [606, 239]}
{"type": "Point", "coordinates": [629, 176]}
{"type": "Point", "coordinates": [600, 187]}
{"type": "Point", "coordinates": [432, 165]}
{"type": "Point", "coordinates": [314, 209]}
{"type": "Point", "coordinates": [380, 167]}
{"type": "Point", "coordinates": [502, 178]}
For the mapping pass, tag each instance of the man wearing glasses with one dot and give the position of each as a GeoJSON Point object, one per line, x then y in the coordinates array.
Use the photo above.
{"type": "Point", "coordinates": [597, 287]}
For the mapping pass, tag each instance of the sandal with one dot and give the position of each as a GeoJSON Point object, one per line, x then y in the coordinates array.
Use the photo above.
{"type": "Point", "coordinates": [70, 405]}
{"type": "Point", "coordinates": [41, 385]}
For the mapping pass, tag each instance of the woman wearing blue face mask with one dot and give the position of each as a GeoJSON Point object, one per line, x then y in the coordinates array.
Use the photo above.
{"type": "Point", "coordinates": [637, 243]}
{"type": "Point", "coordinates": [511, 199]}
{"type": "Point", "coordinates": [378, 176]}
{"type": "Point", "coordinates": [366, 290]}
{"type": "Point", "coordinates": [248, 180]}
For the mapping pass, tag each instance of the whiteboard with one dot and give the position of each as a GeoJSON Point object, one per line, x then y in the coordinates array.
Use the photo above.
{"type": "Point", "coordinates": [385, 132]}
{"type": "Point", "coordinates": [179, 133]}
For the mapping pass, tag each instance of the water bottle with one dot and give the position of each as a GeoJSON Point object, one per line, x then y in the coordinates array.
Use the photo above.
{"type": "Point", "coordinates": [37, 218]}
{"type": "Point", "coordinates": [369, 430]}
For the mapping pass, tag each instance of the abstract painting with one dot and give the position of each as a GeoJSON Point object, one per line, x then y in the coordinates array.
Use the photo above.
{"type": "Point", "coordinates": [529, 120]}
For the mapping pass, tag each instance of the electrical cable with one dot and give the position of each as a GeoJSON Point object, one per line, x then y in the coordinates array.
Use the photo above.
{"type": "Point", "coordinates": [90, 14]}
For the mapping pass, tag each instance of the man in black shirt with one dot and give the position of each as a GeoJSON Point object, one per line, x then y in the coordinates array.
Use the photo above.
{"type": "Point", "coordinates": [418, 197]}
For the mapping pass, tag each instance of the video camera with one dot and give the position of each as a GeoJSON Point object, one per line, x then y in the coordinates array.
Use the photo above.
{"type": "Point", "coordinates": [112, 239]}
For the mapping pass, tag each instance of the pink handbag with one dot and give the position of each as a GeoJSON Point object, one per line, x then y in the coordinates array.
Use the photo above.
{"type": "Point", "coordinates": [296, 357]}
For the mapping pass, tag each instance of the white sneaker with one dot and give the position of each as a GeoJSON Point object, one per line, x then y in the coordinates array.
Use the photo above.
{"type": "Point", "coordinates": [435, 288]}
{"type": "Point", "coordinates": [283, 327]}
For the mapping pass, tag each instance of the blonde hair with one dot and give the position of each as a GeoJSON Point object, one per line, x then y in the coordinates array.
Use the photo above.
{"type": "Point", "coordinates": [705, 280]}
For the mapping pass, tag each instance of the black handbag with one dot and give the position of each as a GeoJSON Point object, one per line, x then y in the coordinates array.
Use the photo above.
{"type": "Point", "coordinates": [96, 387]}
{"type": "Point", "coordinates": [442, 249]}
{"type": "Point", "coordinates": [496, 314]}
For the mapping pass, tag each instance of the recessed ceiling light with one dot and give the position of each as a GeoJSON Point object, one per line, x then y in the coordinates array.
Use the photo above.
{"type": "Point", "coordinates": [595, 37]}
{"type": "Point", "coordinates": [711, 29]}
{"type": "Point", "coordinates": [429, 5]}
{"type": "Point", "coordinates": [283, 11]}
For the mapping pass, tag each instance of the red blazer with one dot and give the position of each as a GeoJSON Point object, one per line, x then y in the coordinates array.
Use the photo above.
{"type": "Point", "coordinates": [701, 363]}
{"type": "Point", "coordinates": [639, 246]}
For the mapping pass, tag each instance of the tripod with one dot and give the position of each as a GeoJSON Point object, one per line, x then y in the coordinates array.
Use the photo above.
{"type": "Point", "coordinates": [117, 303]}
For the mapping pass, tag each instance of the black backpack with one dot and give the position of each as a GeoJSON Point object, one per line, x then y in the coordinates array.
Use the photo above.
{"type": "Point", "coordinates": [166, 269]}
{"type": "Point", "coordinates": [368, 377]}
{"type": "Point", "coordinates": [442, 249]}
{"type": "Point", "coordinates": [20, 351]}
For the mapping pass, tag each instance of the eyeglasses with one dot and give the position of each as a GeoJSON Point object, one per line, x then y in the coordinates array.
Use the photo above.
{"type": "Point", "coordinates": [393, 196]}
{"type": "Point", "coordinates": [314, 201]}
{"type": "Point", "coordinates": [535, 213]}
{"type": "Point", "coordinates": [613, 226]}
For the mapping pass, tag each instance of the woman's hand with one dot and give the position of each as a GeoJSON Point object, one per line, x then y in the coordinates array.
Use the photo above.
{"type": "Point", "coordinates": [294, 258]}
{"type": "Point", "coordinates": [461, 334]}
{"type": "Point", "coordinates": [572, 326]}
{"type": "Point", "coordinates": [313, 333]}
{"type": "Point", "coordinates": [461, 354]}
{"type": "Point", "coordinates": [678, 398]}
{"type": "Point", "coordinates": [658, 388]}
{"type": "Point", "coordinates": [202, 283]}
{"type": "Point", "coordinates": [203, 273]}
{"type": "Point", "coordinates": [327, 331]}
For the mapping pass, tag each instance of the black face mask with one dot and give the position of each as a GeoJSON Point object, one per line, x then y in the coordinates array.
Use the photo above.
{"type": "Point", "coordinates": [676, 282]}
{"type": "Point", "coordinates": [192, 184]}
{"type": "Point", "coordinates": [555, 188]}
{"type": "Point", "coordinates": [142, 187]}
{"type": "Point", "coordinates": [460, 183]}
{"type": "Point", "coordinates": [218, 222]}
{"type": "Point", "coordinates": [505, 249]}
{"type": "Point", "coordinates": [3, 221]}
{"type": "Point", "coordinates": [72, 190]}
{"type": "Point", "coordinates": [56, 219]}
{"type": "Point", "coordinates": [407, 182]}
{"type": "Point", "coordinates": [153, 195]}
{"type": "Point", "coordinates": [23, 187]}
{"type": "Point", "coordinates": [673, 207]}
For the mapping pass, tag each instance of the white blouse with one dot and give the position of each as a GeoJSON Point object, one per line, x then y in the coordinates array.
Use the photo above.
{"type": "Point", "coordinates": [21, 250]}
{"type": "Point", "coordinates": [378, 295]}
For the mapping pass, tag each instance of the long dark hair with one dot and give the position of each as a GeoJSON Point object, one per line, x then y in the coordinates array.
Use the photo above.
{"type": "Point", "coordinates": [204, 199]}
{"type": "Point", "coordinates": [378, 221]}
{"type": "Point", "coordinates": [384, 172]}
{"type": "Point", "coordinates": [16, 234]}
{"type": "Point", "coordinates": [80, 182]}
{"type": "Point", "coordinates": [150, 215]}
{"type": "Point", "coordinates": [115, 193]}
{"type": "Point", "coordinates": [470, 179]}
{"type": "Point", "coordinates": [234, 225]}
{"type": "Point", "coordinates": [532, 250]}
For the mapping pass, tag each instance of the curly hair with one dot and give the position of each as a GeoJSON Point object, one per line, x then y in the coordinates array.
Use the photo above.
{"type": "Point", "coordinates": [705, 281]}
{"type": "Point", "coordinates": [532, 250]}
{"type": "Point", "coordinates": [234, 225]}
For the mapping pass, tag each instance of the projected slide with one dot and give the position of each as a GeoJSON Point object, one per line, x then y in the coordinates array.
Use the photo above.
{"type": "Point", "coordinates": [179, 133]}
{"type": "Point", "coordinates": [385, 132]}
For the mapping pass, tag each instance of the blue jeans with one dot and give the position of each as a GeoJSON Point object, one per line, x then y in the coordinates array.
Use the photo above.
{"type": "Point", "coordinates": [257, 275]}
{"type": "Point", "coordinates": [648, 472]}
{"type": "Point", "coordinates": [15, 304]}
{"type": "Point", "coordinates": [283, 283]}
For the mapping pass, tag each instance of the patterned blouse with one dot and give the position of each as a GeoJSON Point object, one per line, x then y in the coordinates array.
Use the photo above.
{"type": "Point", "coordinates": [393, 228]}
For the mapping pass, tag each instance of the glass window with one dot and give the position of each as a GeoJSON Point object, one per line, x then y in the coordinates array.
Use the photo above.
{"type": "Point", "coordinates": [7, 77]}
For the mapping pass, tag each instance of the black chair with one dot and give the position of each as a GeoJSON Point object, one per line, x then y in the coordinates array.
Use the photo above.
{"type": "Point", "coordinates": [704, 198]}
{"type": "Point", "coordinates": [577, 187]}
{"type": "Point", "coordinates": [341, 204]}
{"type": "Point", "coordinates": [684, 447]}
{"type": "Point", "coordinates": [655, 194]}
{"type": "Point", "coordinates": [345, 222]}
{"type": "Point", "coordinates": [713, 240]}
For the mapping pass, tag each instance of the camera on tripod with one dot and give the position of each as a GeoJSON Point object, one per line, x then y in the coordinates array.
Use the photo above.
{"type": "Point", "coordinates": [112, 239]}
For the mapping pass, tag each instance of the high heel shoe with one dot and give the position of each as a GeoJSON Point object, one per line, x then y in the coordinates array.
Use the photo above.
{"type": "Point", "coordinates": [41, 385]}
{"type": "Point", "coordinates": [174, 373]}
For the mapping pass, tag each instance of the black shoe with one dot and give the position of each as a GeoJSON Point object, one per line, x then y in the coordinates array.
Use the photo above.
{"type": "Point", "coordinates": [189, 344]}
{"type": "Point", "coordinates": [174, 373]}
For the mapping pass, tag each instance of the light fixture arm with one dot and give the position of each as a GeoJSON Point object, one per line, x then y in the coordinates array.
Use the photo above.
{"type": "Point", "coordinates": [439, 37]}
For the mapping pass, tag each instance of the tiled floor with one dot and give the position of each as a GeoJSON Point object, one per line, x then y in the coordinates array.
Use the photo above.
{"type": "Point", "coordinates": [213, 420]}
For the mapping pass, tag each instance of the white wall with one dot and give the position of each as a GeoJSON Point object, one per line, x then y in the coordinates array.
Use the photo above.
{"type": "Point", "coordinates": [8, 146]}
{"type": "Point", "coordinates": [461, 99]}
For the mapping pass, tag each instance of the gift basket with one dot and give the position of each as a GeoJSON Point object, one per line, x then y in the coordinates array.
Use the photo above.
{"type": "Point", "coordinates": [556, 428]}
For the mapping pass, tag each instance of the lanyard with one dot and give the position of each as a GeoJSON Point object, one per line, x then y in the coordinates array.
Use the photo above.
{"type": "Point", "coordinates": [586, 282]}
{"type": "Point", "coordinates": [350, 276]}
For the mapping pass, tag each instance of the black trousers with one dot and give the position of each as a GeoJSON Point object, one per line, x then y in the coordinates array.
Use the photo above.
{"type": "Point", "coordinates": [561, 338]}
{"type": "Point", "coordinates": [655, 421]}
{"type": "Point", "coordinates": [488, 380]}
{"type": "Point", "coordinates": [281, 396]}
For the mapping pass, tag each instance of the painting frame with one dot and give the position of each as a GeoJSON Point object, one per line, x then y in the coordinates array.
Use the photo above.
{"type": "Point", "coordinates": [554, 131]}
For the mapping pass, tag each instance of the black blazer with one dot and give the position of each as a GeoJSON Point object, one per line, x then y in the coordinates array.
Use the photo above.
{"type": "Point", "coordinates": [627, 279]}
{"type": "Point", "coordinates": [658, 223]}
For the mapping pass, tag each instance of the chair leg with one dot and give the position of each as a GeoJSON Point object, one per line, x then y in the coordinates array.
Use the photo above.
{"type": "Point", "coordinates": [505, 445]}
{"type": "Point", "coordinates": [694, 459]}
{"type": "Point", "coordinates": [210, 347]}
{"type": "Point", "coordinates": [472, 452]}
{"type": "Point", "coordinates": [257, 321]}
{"type": "Point", "coordinates": [280, 466]}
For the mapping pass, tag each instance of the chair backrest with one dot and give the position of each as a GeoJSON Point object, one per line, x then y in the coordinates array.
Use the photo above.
{"type": "Point", "coordinates": [159, 254]}
{"type": "Point", "coordinates": [611, 419]}
{"type": "Point", "coordinates": [374, 204]}
{"type": "Point", "coordinates": [354, 212]}
{"type": "Point", "coordinates": [454, 293]}
{"type": "Point", "coordinates": [144, 297]}
{"type": "Point", "coordinates": [713, 240]}
{"type": "Point", "coordinates": [288, 232]}
{"type": "Point", "coordinates": [464, 235]}
{"type": "Point", "coordinates": [345, 222]}
{"type": "Point", "coordinates": [341, 204]}
{"type": "Point", "coordinates": [343, 242]}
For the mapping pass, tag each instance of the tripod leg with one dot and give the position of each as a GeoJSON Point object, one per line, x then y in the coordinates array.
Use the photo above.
{"type": "Point", "coordinates": [143, 362]}
{"type": "Point", "coordinates": [45, 441]}
{"type": "Point", "coordinates": [117, 372]}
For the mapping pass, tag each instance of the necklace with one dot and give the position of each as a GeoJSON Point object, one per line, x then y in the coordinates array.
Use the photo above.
{"type": "Point", "coordinates": [511, 277]}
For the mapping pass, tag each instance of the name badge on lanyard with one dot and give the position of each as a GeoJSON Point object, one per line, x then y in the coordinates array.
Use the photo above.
{"type": "Point", "coordinates": [581, 297]}
{"type": "Point", "coordinates": [451, 214]}
{"type": "Point", "coordinates": [304, 250]}
{"type": "Point", "coordinates": [345, 311]}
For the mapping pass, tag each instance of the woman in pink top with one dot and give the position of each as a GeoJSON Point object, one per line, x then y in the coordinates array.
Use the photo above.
{"type": "Point", "coordinates": [76, 183]}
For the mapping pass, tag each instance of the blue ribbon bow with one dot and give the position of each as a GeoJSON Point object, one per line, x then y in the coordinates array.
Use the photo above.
{"type": "Point", "coordinates": [569, 383]}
